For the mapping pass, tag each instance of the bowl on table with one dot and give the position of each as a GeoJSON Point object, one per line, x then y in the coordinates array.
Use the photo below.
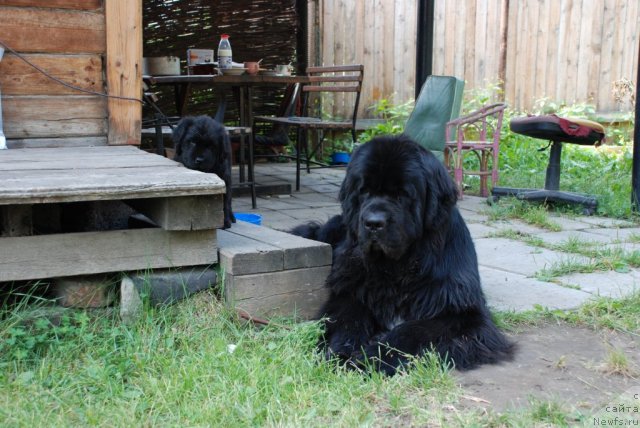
{"type": "Point", "coordinates": [233, 71]}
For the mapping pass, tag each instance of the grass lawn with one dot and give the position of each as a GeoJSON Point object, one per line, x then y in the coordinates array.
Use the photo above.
{"type": "Point", "coordinates": [196, 364]}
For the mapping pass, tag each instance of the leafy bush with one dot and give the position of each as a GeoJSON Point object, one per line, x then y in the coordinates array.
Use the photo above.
{"type": "Point", "coordinates": [394, 116]}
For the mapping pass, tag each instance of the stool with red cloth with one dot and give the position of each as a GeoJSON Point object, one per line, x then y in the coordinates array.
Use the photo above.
{"type": "Point", "coordinates": [558, 130]}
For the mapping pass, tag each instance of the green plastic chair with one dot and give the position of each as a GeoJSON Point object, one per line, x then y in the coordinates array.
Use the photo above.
{"type": "Point", "coordinates": [439, 102]}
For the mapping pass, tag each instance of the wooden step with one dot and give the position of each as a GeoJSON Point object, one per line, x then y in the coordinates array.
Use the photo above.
{"type": "Point", "coordinates": [273, 273]}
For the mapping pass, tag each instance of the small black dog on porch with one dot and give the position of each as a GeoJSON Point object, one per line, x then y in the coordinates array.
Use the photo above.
{"type": "Point", "coordinates": [202, 143]}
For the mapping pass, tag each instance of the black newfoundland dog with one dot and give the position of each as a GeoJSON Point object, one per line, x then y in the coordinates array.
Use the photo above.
{"type": "Point", "coordinates": [202, 143]}
{"type": "Point", "coordinates": [405, 274]}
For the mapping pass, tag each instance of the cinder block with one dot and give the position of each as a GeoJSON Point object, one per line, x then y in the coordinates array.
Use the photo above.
{"type": "Point", "coordinates": [162, 287]}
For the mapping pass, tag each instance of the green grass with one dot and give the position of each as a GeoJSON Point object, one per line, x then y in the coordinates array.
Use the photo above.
{"type": "Point", "coordinates": [600, 313]}
{"type": "Point", "coordinates": [175, 367]}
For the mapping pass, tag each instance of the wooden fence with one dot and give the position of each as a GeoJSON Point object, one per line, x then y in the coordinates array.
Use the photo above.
{"type": "Point", "coordinates": [564, 50]}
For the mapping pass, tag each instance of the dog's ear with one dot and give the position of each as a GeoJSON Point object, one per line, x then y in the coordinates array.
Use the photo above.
{"type": "Point", "coordinates": [441, 193]}
{"type": "Point", "coordinates": [179, 133]}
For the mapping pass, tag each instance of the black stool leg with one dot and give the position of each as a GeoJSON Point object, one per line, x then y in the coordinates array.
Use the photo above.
{"type": "Point", "coordinates": [552, 180]}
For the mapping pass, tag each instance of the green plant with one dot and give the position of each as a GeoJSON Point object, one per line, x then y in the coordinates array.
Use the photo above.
{"type": "Point", "coordinates": [394, 118]}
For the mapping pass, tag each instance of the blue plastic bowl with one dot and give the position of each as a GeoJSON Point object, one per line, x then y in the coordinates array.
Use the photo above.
{"type": "Point", "coordinates": [249, 218]}
{"type": "Point", "coordinates": [340, 158]}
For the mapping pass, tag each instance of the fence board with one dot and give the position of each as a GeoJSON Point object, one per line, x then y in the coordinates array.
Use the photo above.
{"type": "Point", "coordinates": [565, 50]}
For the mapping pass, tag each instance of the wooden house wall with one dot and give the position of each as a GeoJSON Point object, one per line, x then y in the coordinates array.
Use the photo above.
{"type": "Point", "coordinates": [69, 40]}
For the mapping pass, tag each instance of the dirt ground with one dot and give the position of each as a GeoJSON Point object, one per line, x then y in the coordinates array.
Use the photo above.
{"type": "Point", "coordinates": [557, 362]}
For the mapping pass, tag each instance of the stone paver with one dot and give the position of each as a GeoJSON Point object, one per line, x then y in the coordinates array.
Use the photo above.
{"type": "Point", "coordinates": [507, 266]}
{"type": "Point", "coordinates": [583, 236]}
{"type": "Point", "coordinates": [507, 291]}
{"type": "Point", "coordinates": [608, 284]}
{"type": "Point", "coordinates": [517, 257]}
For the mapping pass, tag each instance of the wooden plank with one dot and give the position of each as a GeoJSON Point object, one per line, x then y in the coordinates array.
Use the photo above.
{"type": "Point", "coordinates": [114, 162]}
{"type": "Point", "coordinates": [61, 4]}
{"type": "Point", "coordinates": [469, 46]}
{"type": "Point", "coordinates": [573, 35]}
{"type": "Point", "coordinates": [610, 18]}
{"type": "Point", "coordinates": [531, 16]}
{"type": "Point", "coordinates": [54, 116]}
{"type": "Point", "coordinates": [72, 154]}
{"type": "Point", "coordinates": [58, 255]}
{"type": "Point", "coordinates": [298, 252]}
{"type": "Point", "coordinates": [552, 49]}
{"type": "Point", "coordinates": [183, 213]}
{"type": "Point", "coordinates": [19, 78]}
{"type": "Point", "coordinates": [52, 30]}
{"type": "Point", "coordinates": [391, 57]}
{"type": "Point", "coordinates": [542, 57]}
{"type": "Point", "coordinates": [124, 70]}
{"type": "Point", "coordinates": [268, 291]}
{"type": "Point", "coordinates": [459, 45]}
{"type": "Point", "coordinates": [480, 43]}
{"type": "Point", "coordinates": [25, 187]}
{"type": "Point", "coordinates": [511, 77]}
{"type": "Point", "coordinates": [594, 52]}
{"type": "Point", "coordinates": [35, 143]}
{"type": "Point", "coordinates": [240, 255]}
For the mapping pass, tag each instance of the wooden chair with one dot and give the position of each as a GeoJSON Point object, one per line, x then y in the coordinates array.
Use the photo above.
{"type": "Point", "coordinates": [335, 82]}
{"type": "Point", "coordinates": [477, 133]}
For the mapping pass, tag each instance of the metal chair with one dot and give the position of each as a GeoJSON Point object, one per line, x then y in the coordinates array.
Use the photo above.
{"type": "Point", "coordinates": [331, 81]}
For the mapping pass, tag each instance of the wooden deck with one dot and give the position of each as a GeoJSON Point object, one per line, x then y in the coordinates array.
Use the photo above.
{"type": "Point", "coordinates": [46, 193]}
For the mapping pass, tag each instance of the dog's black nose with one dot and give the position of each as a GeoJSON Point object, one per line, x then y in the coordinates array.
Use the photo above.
{"type": "Point", "coordinates": [375, 221]}
{"type": "Point", "coordinates": [199, 160]}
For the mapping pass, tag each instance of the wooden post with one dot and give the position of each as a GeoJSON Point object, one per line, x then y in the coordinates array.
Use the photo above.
{"type": "Point", "coordinates": [635, 166]}
{"type": "Point", "coordinates": [124, 69]}
{"type": "Point", "coordinates": [504, 30]}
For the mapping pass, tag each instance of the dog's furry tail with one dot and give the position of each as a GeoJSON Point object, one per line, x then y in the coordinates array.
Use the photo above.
{"type": "Point", "coordinates": [332, 232]}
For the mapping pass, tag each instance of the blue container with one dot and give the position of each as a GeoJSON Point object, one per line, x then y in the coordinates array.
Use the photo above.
{"type": "Point", "coordinates": [249, 218]}
{"type": "Point", "coordinates": [340, 158]}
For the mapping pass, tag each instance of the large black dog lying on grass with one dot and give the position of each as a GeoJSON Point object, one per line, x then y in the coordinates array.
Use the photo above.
{"type": "Point", "coordinates": [202, 143]}
{"type": "Point", "coordinates": [405, 274]}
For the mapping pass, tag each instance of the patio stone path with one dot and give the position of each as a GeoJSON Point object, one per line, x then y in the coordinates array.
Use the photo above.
{"type": "Point", "coordinates": [508, 267]}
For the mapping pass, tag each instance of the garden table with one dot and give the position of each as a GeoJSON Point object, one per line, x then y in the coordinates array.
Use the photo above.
{"type": "Point", "coordinates": [244, 83]}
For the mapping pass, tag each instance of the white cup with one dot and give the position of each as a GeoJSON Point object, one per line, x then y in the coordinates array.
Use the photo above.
{"type": "Point", "coordinates": [283, 69]}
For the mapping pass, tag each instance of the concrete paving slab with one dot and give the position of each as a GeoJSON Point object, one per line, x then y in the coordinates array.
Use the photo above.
{"type": "Point", "coordinates": [479, 230]}
{"type": "Point", "coordinates": [517, 257]}
{"type": "Point", "coordinates": [507, 291]}
{"type": "Point", "coordinates": [278, 204]}
{"type": "Point", "coordinates": [317, 214]}
{"type": "Point", "coordinates": [606, 222]}
{"type": "Point", "coordinates": [324, 188]}
{"type": "Point", "coordinates": [473, 216]}
{"type": "Point", "coordinates": [473, 203]}
{"type": "Point", "coordinates": [583, 236]}
{"type": "Point", "coordinates": [567, 223]}
{"type": "Point", "coordinates": [608, 284]}
{"type": "Point", "coordinates": [516, 225]}
{"type": "Point", "coordinates": [623, 234]}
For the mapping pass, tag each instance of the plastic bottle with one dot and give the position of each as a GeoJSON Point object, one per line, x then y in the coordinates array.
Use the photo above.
{"type": "Point", "coordinates": [224, 52]}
